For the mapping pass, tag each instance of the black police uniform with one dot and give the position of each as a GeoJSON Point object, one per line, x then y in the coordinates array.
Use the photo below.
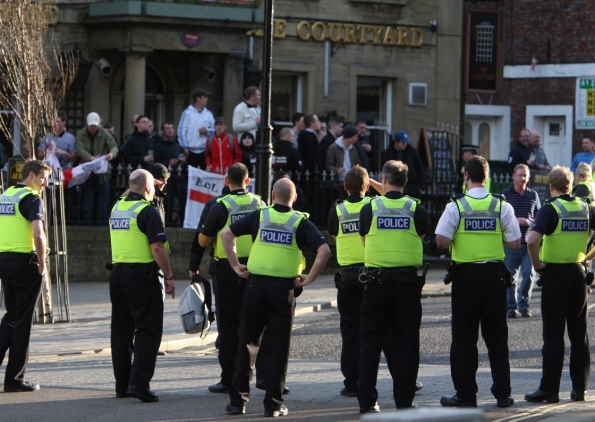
{"type": "Point", "coordinates": [563, 300]}
{"type": "Point", "coordinates": [391, 313]}
{"type": "Point", "coordinates": [349, 299]}
{"type": "Point", "coordinates": [137, 310]}
{"type": "Point", "coordinates": [21, 284]}
{"type": "Point", "coordinates": [268, 301]}
{"type": "Point", "coordinates": [229, 294]}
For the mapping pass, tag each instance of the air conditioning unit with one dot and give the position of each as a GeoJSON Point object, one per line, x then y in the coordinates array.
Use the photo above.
{"type": "Point", "coordinates": [418, 94]}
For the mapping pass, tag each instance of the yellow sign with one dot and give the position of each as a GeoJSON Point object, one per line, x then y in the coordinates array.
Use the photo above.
{"type": "Point", "coordinates": [349, 33]}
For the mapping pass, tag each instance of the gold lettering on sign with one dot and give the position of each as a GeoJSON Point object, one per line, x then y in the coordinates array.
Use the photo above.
{"type": "Point", "coordinates": [377, 33]}
{"type": "Point", "coordinates": [388, 37]}
{"type": "Point", "coordinates": [280, 25]}
{"type": "Point", "coordinates": [350, 33]}
{"type": "Point", "coordinates": [334, 31]}
{"type": "Point", "coordinates": [417, 37]}
{"type": "Point", "coordinates": [319, 35]}
{"type": "Point", "coordinates": [363, 36]}
{"type": "Point", "coordinates": [303, 30]}
{"type": "Point", "coordinates": [403, 36]}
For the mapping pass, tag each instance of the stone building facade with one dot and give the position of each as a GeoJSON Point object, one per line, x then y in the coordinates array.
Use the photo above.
{"type": "Point", "coordinates": [393, 63]}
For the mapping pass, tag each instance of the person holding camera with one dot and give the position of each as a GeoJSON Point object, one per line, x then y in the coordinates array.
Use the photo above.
{"type": "Point", "coordinates": [557, 244]}
{"type": "Point", "coordinates": [22, 266]}
{"type": "Point", "coordinates": [391, 227]}
{"type": "Point", "coordinates": [476, 226]}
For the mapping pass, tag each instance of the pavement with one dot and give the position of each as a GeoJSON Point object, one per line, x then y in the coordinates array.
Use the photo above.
{"type": "Point", "coordinates": [71, 361]}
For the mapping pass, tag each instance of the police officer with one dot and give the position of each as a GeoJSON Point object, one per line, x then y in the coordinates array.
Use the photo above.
{"type": "Point", "coordinates": [563, 223]}
{"type": "Point", "coordinates": [273, 271]}
{"type": "Point", "coordinates": [139, 250]}
{"type": "Point", "coordinates": [476, 226]}
{"type": "Point", "coordinates": [391, 227]}
{"type": "Point", "coordinates": [22, 265]}
{"type": "Point", "coordinates": [230, 287]}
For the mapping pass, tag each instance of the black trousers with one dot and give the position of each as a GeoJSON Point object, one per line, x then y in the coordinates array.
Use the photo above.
{"type": "Point", "coordinates": [349, 301]}
{"type": "Point", "coordinates": [479, 297]}
{"type": "Point", "coordinates": [136, 327]}
{"type": "Point", "coordinates": [21, 284]}
{"type": "Point", "coordinates": [197, 160]}
{"type": "Point", "coordinates": [270, 302]}
{"type": "Point", "coordinates": [564, 301]}
{"type": "Point", "coordinates": [390, 312]}
{"type": "Point", "coordinates": [230, 294]}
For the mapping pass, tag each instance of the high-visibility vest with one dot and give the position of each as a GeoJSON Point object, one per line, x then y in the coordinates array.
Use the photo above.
{"type": "Point", "coordinates": [17, 234]}
{"type": "Point", "coordinates": [238, 206]}
{"type": "Point", "coordinates": [275, 252]}
{"type": "Point", "coordinates": [392, 240]}
{"type": "Point", "coordinates": [568, 243]}
{"type": "Point", "coordinates": [350, 249]}
{"type": "Point", "coordinates": [129, 244]}
{"type": "Point", "coordinates": [479, 235]}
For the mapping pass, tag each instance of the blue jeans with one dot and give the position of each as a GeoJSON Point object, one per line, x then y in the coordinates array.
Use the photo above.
{"type": "Point", "coordinates": [515, 261]}
{"type": "Point", "coordinates": [95, 197]}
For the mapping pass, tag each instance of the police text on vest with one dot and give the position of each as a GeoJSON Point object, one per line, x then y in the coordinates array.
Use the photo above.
{"type": "Point", "coordinates": [7, 209]}
{"type": "Point", "coordinates": [350, 227]}
{"type": "Point", "coordinates": [575, 225]}
{"type": "Point", "coordinates": [483, 224]}
{"type": "Point", "coordinates": [275, 236]}
{"type": "Point", "coordinates": [120, 223]}
{"type": "Point", "coordinates": [393, 223]}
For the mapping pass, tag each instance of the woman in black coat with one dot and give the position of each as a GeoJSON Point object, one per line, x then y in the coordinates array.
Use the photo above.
{"type": "Point", "coordinates": [248, 148]}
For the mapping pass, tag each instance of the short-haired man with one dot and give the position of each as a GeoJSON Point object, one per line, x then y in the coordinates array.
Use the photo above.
{"type": "Point", "coordinates": [169, 153]}
{"type": "Point", "coordinates": [298, 126]}
{"type": "Point", "coordinates": [196, 123]}
{"type": "Point", "coordinates": [279, 235]}
{"type": "Point", "coordinates": [585, 156]}
{"type": "Point", "coordinates": [139, 149]}
{"type": "Point", "coordinates": [308, 144]}
{"type": "Point", "coordinates": [335, 130]}
{"type": "Point", "coordinates": [222, 149]}
{"type": "Point", "coordinates": [246, 115]}
{"type": "Point", "coordinates": [286, 158]}
{"type": "Point", "coordinates": [92, 142]}
{"type": "Point", "coordinates": [342, 155]}
{"type": "Point", "coordinates": [526, 204]}
{"type": "Point", "coordinates": [230, 288]}
{"type": "Point", "coordinates": [557, 244]}
{"type": "Point", "coordinates": [477, 226]}
{"type": "Point", "coordinates": [392, 227]}
{"type": "Point", "coordinates": [64, 142]}
{"type": "Point", "coordinates": [22, 265]}
{"type": "Point", "coordinates": [362, 144]}
{"type": "Point", "coordinates": [541, 162]}
{"type": "Point", "coordinates": [139, 250]}
{"type": "Point", "coordinates": [522, 151]}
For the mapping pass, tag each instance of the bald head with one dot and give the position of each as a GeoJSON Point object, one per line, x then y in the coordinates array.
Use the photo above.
{"type": "Point", "coordinates": [140, 182]}
{"type": "Point", "coordinates": [284, 192]}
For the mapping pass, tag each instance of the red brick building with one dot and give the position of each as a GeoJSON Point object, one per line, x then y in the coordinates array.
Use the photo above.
{"type": "Point", "coordinates": [545, 49]}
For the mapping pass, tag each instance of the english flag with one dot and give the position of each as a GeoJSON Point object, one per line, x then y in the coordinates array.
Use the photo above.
{"type": "Point", "coordinates": [79, 174]}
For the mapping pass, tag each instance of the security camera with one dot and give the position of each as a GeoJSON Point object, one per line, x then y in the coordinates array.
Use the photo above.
{"type": "Point", "coordinates": [104, 67]}
{"type": "Point", "coordinates": [210, 73]}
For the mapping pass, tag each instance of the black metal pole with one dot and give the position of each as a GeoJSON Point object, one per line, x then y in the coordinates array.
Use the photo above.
{"type": "Point", "coordinates": [264, 147]}
{"type": "Point", "coordinates": [463, 64]}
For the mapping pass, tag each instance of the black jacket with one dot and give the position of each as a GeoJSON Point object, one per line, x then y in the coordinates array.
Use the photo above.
{"type": "Point", "coordinates": [308, 149]}
{"type": "Point", "coordinates": [249, 158]}
{"type": "Point", "coordinates": [286, 158]}
{"type": "Point", "coordinates": [136, 148]}
{"type": "Point", "coordinates": [416, 176]}
{"type": "Point", "coordinates": [519, 154]}
{"type": "Point", "coordinates": [165, 151]}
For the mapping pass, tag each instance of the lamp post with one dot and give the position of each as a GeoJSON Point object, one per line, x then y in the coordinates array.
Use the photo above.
{"type": "Point", "coordinates": [264, 149]}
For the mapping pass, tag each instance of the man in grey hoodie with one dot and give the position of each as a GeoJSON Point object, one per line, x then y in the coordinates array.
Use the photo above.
{"type": "Point", "coordinates": [342, 155]}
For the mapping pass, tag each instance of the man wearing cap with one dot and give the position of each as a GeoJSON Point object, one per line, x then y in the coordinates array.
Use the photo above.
{"type": "Point", "coordinates": [92, 142]}
{"type": "Point", "coordinates": [403, 151]}
{"type": "Point", "coordinates": [246, 115]}
{"type": "Point", "coordinates": [161, 176]}
{"type": "Point", "coordinates": [342, 155]}
{"type": "Point", "coordinates": [196, 123]}
{"type": "Point", "coordinates": [222, 149]}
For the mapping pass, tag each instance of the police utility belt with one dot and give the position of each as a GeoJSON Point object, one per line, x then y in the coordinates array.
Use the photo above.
{"type": "Point", "coordinates": [368, 275]}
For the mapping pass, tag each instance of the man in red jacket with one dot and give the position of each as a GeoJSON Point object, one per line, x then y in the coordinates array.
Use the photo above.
{"type": "Point", "coordinates": [222, 149]}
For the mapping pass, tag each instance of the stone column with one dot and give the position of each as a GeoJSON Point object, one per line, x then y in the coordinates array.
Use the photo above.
{"type": "Point", "coordinates": [233, 81]}
{"type": "Point", "coordinates": [134, 86]}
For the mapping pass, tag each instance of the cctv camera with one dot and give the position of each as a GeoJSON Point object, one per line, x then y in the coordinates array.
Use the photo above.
{"type": "Point", "coordinates": [104, 67]}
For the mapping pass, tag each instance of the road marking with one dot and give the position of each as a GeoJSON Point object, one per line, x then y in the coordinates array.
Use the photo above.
{"type": "Point", "coordinates": [537, 412]}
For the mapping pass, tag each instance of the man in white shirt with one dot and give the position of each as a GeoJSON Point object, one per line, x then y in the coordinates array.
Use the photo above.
{"type": "Point", "coordinates": [246, 115]}
{"type": "Point", "coordinates": [196, 124]}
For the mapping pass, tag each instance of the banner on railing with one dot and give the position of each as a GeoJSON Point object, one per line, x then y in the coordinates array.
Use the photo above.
{"type": "Point", "coordinates": [79, 174]}
{"type": "Point", "coordinates": [202, 186]}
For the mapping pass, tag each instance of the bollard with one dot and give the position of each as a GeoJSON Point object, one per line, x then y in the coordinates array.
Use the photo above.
{"type": "Point", "coordinates": [428, 414]}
